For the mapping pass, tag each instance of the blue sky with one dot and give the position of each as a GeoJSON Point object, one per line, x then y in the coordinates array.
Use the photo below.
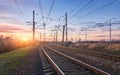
{"type": "Point", "coordinates": [16, 14]}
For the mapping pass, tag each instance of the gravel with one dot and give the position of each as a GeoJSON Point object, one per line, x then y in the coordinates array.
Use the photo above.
{"type": "Point", "coordinates": [30, 65]}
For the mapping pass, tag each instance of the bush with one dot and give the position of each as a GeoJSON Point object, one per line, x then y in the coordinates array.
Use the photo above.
{"type": "Point", "coordinates": [9, 44]}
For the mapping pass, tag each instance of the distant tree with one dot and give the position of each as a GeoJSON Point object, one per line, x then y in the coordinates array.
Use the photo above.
{"type": "Point", "coordinates": [69, 43]}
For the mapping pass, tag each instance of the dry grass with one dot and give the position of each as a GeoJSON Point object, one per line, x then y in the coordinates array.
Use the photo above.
{"type": "Point", "coordinates": [101, 47]}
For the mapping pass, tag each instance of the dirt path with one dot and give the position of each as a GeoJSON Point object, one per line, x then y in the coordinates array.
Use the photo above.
{"type": "Point", "coordinates": [31, 65]}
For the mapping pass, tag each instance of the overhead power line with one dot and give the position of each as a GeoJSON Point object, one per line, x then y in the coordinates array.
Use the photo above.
{"type": "Point", "coordinates": [98, 9]}
{"type": "Point", "coordinates": [41, 11]}
{"type": "Point", "coordinates": [20, 10]}
{"type": "Point", "coordinates": [95, 2]}
{"type": "Point", "coordinates": [81, 9]}
{"type": "Point", "coordinates": [75, 7]}
{"type": "Point", "coordinates": [50, 10]}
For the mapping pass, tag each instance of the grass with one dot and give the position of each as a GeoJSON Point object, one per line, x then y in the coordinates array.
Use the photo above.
{"type": "Point", "coordinates": [9, 60]}
{"type": "Point", "coordinates": [101, 47]}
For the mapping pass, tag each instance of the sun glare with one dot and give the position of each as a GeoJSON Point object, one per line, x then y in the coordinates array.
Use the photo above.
{"type": "Point", "coordinates": [24, 39]}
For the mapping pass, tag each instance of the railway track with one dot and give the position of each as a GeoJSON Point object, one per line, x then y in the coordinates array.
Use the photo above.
{"type": "Point", "coordinates": [47, 67]}
{"type": "Point", "coordinates": [110, 66]}
{"type": "Point", "coordinates": [66, 65]}
{"type": "Point", "coordinates": [96, 54]}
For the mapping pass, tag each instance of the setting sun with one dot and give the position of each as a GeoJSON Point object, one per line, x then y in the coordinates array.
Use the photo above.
{"type": "Point", "coordinates": [24, 39]}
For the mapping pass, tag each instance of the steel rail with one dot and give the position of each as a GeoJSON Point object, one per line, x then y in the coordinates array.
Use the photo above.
{"type": "Point", "coordinates": [94, 69]}
{"type": "Point", "coordinates": [57, 69]}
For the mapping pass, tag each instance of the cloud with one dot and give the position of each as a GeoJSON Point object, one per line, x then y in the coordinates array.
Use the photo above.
{"type": "Point", "coordinates": [6, 31]}
{"type": "Point", "coordinates": [4, 16]}
{"type": "Point", "coordinates": [113, 29]}
{"type": "Point", "coordinates": [6, 28]}
{"type": "Point", "coordinates": [5, 5]}
{"type": "Point", "coordinates": [91, 30]}
{"type": "Point", "coordinates": [116, 35]}
{"type": "Point", "coordinates": [116, 23]}
{"type": "Point", "coordinates": [83, 29]}
{"type": "Point", "coordinates": [100, 25]}
{"type": "Point", "coordinates": [101, 36]}
{"type": "Point", "coordinates": [118, 28]}
{"type": "Point", "coordinates": [88, 23]}
{"type": "Point", "coordinates": [71, 29]}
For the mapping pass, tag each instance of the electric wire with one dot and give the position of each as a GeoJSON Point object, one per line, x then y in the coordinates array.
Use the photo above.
{"type": "Point", "coordinates": [81, 9]}
{"type": "Point", "coordinates": [98, 9]}
{"type": "Point", "coordinates": [50, 10]}
{"type": "Point", "coordinates": [41, 10]}
{"type": "Point", "coordinates": [86, 9]}
{"type": "Point", "coordinates": [75, 7]}
{"type": "Point", "coordinates": [20, 10]}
